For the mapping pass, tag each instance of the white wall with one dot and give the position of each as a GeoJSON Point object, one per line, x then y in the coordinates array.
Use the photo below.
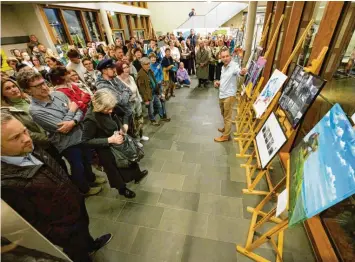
{"type": "Point", "coordinates": [167, 16]}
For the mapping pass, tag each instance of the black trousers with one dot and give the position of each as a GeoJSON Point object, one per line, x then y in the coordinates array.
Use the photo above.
{"type": "Point", "coordinates": [79, 242]}
{"type": "Point", "coordinates": [187, 65]}
{"type": "Point", "coordinates": [218, 71]}
{"type": "Point", "coordinates": [193, 63]}
{"type": "Point", "coordinates": [211, 70]}
{"type": "Point", "coordinates": [118, 177]}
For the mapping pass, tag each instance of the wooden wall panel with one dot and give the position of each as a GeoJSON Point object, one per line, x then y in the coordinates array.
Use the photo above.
{"type": "Point", "coordinates": [291, 32]}
{"type": "Point", "coordinates": [280, 6]}
{"type": "Point", "coordinates": [268, 11]}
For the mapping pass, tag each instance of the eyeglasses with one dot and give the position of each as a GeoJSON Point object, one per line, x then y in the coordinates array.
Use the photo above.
{"type": "Point", "coordinates": [40, 85]}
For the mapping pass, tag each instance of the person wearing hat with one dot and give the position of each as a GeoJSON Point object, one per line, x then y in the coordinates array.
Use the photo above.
{"type": "Point", "coordinates": [108, 79]}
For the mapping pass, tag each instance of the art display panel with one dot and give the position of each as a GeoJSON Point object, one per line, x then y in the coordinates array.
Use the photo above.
{"type": "Point", "coordinates": [299, 93]}
{"type": "Point", "coordinates": [270, 90]}
{"type": "Point", "coordinates": [322, 167]}
{"type": "Point", "coordinates": [269, 140]}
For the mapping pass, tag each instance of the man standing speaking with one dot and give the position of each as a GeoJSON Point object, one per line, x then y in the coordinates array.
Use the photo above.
{"type": "Point", "coordinates": [227, 92]}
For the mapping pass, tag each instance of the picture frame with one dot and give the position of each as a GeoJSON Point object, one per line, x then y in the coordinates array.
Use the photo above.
{"type": "Point", "coordinates": [270, 90]}
{"type": "Point", "coordinates": [269, 140]}
{"type": "Point", "coordinates": [299, 93]}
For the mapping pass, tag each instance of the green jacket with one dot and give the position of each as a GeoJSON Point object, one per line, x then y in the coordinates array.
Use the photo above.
{"type": "Point", "coordinates": [37, 133]}
{"type": "Point", "coordinates": [143, 83]}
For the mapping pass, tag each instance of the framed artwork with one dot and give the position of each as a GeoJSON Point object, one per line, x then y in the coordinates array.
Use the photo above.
{"type": "Point", "coordinates": [258, 68]}
{"type": "Point", "coordinates": [269, 140]}
{"type": "Point", "coordinates": [250, 68]}
{"type": "Point", "coordinates": [322, 167]}
{"type": "Point", "coordinates": [270, 90]}
{"type": "Point", "coordinates": [299, 93]}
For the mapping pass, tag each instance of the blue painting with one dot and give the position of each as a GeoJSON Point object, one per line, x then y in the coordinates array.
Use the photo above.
{"type": "Point", "coordinates": [322, 167]}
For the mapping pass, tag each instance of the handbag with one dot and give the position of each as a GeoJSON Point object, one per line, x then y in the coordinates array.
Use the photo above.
{"type": "Point", "coordinates": [127, 153]}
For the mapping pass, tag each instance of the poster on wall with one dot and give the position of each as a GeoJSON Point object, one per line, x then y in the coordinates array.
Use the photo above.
{"type": "Point", "coordinates": [270, 90]}
{"type": "Point", "coordinates": [269, 140]}
{"type": "Point", "coordinates": [299, 93]}
{"type": "Point", "coordinates": [322, 167]}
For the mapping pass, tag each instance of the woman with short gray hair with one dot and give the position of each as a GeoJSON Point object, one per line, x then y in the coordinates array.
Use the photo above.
{"type": "Point", "coordinates": [101, 129]}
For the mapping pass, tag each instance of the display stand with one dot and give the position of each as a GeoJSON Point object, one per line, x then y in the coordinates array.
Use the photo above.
{"type": "Point", "coordinates": [245, 126]}
{"type": "Point", "coordinates": [254, 169]}
{"type": "Point", "coordinates": [277, 231]}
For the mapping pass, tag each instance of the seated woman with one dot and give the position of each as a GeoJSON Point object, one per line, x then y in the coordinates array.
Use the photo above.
{"type": "Point", "coordinates": [17, 103]}
{"type": "Point", "coordinates": [60, 79]}
{"type": "Point", "coordinates": [182, 75]}
{"type": "Point", "coordinates": [102, 128]}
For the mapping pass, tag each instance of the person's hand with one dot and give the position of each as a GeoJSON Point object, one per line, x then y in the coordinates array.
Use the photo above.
{"type": "Point", "coordinates": [202, 64]}
{"type": "Point", "coordinates": [115, 139]}
{"type": "Point", "coordinates": [243, 71]}
{"type": "Point", "coordinates": [124, 128]}
{"type": "Point", "coordinates": [216, 84]}
{"type": "Point", "coordinates": [65, 126]}
{"type": "Point", "coordinates": [73, 107]}
{"type": "Point", "coordinates": [146, 103]}
{"type": "Point", "coordinates": [170, 66]}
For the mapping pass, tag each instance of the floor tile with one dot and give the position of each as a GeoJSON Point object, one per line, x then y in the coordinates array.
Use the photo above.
{"type": "Point", "coordinates": [213, 172]}
{"type": "Point", "coordinates": [103, 207]}
{"type": "Point", "coordinates": [158, 143]}
{"type": "Point", "coordinates": [200, 184]}
{"type": "Point", "coordinates": [184, 222]}
{"type": "Point", "coordinates": [227, 229]}
{"type": "Point", "coordinates": [152, 164]}
{"type": "Point", "coordinates": [158, 244]}
{"type": "Point", "coordinates": [237, 174]}
{"type": "Point", "coordinates": [146, 195]}
{"type": "Point", "coordinates": [200, 249]}
{"type": "Point", "coordinates": [198, 158]}
{"type": "Point", "coordinates": [108, 255]}
{"type": "Point", "coordinates": [143, 215]}
{"type": "Point", "coordinates": [123, 234]}
{"type": "Point", "coordinates": [164, 180]}
{"type": "Point", "coordinates": [221, 205]}
{"type": "Point", "coordinates": [167, 136]}
{"type": "Point", "coordinates": [179, 199]}
{"type": "Point", "coordinates": [232, 189]}
{"type": "Point", "coordinates": [186, 147]}
{"type": "Point", "coordinates": [179, 168]}
{"type": "Point", "coordinates": [267, 254]}
{"type": "Point", "coordinates": [168, 155]}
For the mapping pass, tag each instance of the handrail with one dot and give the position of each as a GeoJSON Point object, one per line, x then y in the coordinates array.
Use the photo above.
{"type": "Point", "coordinates": [199, 15]}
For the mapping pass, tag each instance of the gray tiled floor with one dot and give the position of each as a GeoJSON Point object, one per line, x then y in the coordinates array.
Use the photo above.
{"type": "Point", "coordinates": [190, 207]}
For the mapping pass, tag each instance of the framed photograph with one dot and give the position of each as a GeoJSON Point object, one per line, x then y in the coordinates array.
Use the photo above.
{"type": "Point", "coordinates": [270, 90]}
{"type": "Point", "coordinates": [269, 140]}
{"type": "Point", "coordinates": [322, 167]}
{"type": "Point", "coordinates": [249, 72]}
{"type": "Point", "coordinates": [257, 69]}
{"type": "Point", "coordinates": [299, 94]}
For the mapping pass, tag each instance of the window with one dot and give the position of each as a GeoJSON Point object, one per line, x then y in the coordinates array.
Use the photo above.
{"type": "Point", "coordinates": [56, 25]}
{"type": "Point", "coordinates": [138, 34]}
{"type": "Point", "coordinates": [125, 26]}
{"type": "Point", "coordinates": [138, 22]}
{"type": "Point", "coordinates": [115, 21]}
{"type": "Point", "coordinates": [133, 21]}
{"type": "Point", "coordinates": [92, 25]}
{"type": "Point", "coordinates": [75, 27]}
{"type": "Point", "coordinates": [118, 34]}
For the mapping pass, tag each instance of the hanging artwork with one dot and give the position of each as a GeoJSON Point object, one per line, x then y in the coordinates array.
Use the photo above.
{"type": "Point", "coordinates": [270, 90]}
{"type": "Point", "coordinates": [258, 68]}
{"type": "Point", "coordinates": [299, 93]}
{"type": "Point", "coordinates": [322, 167]}
{"type": "Point", "coordinates": [250, 68]}
{"type": "Point", "coordinates": [269, 140]}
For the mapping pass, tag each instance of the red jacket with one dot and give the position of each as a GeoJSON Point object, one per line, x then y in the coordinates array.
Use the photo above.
{"type": "Point", "coordinates": [75, 94]}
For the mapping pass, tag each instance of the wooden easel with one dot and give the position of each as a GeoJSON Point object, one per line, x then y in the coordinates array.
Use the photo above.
{"type": "Point", "coordinates": [251, 169]}
{"type": "Point", "coordinates": [245, 139]}
{"type": "Point", "coordinates": [245, 124]}
{"type": "Point", "coordinates": [277, 231]}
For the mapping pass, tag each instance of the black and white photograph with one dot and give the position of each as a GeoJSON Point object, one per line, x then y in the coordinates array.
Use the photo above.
{"type": "Point", "coordinates": [299, 93]}
{"type": "Point", "coordinates": [269, 140]}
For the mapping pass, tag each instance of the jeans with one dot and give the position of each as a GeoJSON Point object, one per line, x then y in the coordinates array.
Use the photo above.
{"type": "Point", "coordinates": [154, 103]}
{"type": "Point", "coordinates": [79, 159]}
{"type": "Point", "coordinates": [184, 82]}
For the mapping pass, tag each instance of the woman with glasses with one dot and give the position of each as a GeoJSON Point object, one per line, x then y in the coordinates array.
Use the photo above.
{"type": "Point", "coordinates": [123, 73]}
{"type": "Point", "coordinates": [37, 66]}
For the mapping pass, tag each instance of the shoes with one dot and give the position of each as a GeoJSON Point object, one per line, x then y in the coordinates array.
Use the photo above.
{"type": "Point", "coordinates": [142, 175]}
{"type": "Point", "coordinates": [221, 130]}
{"type": "Point", "coordinates": [99, 180]}
{"type": "Point", "coordinates": [221, 139]}
{"type": "Point", "coordinates": [154, 123]}
{"type": "Point", "coordinates": [139, 144]}
{"type": "Point", "coordinates": [173, 95]}
{"type": "Point", "coordinates": [165, 119]}
{"type": "Point", "coordinates": [101, 242]}
{"type": "Point", "coordinates": [93, 191]}
{"type": "Point", "coordinates": [186, 86]}
{"type": "Point", "coordinates": [144, 138]}
{"type": "Point", "coordinates": [127, 193]}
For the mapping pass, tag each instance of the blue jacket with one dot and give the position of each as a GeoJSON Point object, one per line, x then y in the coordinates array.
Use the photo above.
{"type": "Point", "coordinates": [158, 71]}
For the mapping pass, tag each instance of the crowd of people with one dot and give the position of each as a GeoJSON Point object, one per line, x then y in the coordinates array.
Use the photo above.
{"type": "Point", "coordinates": [86, 109]}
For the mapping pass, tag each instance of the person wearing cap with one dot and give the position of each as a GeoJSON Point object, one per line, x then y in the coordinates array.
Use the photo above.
{"type": "Point", "coordinates": [108, 79]}
{"type": "Point", "coordinates": [150, 91]}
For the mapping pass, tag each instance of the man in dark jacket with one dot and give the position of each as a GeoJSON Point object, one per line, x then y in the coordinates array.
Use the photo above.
{"type": "Point", "coordinates": [149, 89]}
{"type": "Point", "coordinates": [138, 54]}
{"type": "Point", "coordinates": [108, 79]}
{"type": "Point", "coordinates": [37, 187]}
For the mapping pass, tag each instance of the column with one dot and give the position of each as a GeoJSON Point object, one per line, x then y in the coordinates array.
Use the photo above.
{"type": "Point", "coordinates": [250, 30]}
{"type": "Point", "coordinates": [107, 27]}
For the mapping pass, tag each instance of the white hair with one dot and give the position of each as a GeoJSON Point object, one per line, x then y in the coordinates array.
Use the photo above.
{"type": "Point", "coordinates": [103, 99]}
